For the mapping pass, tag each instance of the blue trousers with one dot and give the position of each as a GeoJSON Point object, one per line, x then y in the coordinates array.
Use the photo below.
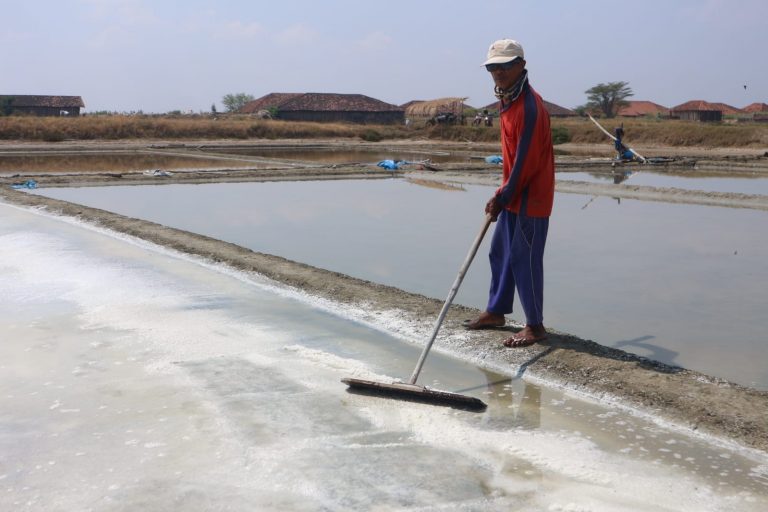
{"type": "Point", "coordinates": [517, 262]}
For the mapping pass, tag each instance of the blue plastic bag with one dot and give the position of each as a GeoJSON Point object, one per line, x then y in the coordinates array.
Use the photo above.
{"type": "Point", "coordinates": [388, 164]}
{"type": "Point", "coordinates": [26, 184]}
{"type": "Point", "coordinates": [494, 159]}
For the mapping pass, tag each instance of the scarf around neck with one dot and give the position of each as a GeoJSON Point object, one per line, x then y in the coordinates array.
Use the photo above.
{"type": "Point", "coordinates": [511, 94]}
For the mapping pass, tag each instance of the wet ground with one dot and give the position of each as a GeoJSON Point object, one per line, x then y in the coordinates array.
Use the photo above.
{"type": "Point", "coordinates": [723, 415]}
{"type": "Point", "coordinates": [626, 290]}
{"type": "Point", "coordinates": [53, 162]}
{"type": "Point", "coordinates": [138, 377]}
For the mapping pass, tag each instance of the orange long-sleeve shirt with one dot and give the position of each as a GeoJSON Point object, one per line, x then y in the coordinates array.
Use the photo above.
{"type": "Point", "coordinates": [529, 160]}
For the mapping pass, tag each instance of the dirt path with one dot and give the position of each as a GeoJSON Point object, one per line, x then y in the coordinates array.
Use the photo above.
{"type": "Point", "coordinates": [688, 399]}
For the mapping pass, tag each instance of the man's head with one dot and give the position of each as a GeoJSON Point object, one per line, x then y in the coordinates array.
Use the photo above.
{"type": "Point", "coordinates": [505, 62]}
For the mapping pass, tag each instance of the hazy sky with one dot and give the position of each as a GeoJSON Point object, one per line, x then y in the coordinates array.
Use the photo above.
{"type": "Point", "coordinates": [165, 55]}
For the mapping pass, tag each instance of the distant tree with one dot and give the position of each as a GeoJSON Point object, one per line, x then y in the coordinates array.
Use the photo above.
{"type": "Point", "coordinates": [213, 108]}
{"type": "Point", "coordinates": [608, 98]}
{"type": "Point", "coordinates": [234, 102]}
{"type": "Point", "coordinates": [581, 110]}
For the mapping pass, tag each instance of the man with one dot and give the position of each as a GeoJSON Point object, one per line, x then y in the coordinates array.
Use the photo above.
{"type": "Point", "coordinates": [523, 203]}
{"type": "Point", "coordinates": [623, 152]}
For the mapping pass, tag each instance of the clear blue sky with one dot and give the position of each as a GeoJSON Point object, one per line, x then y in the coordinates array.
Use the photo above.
{"type": "Point", "coordinates": [163, 55]}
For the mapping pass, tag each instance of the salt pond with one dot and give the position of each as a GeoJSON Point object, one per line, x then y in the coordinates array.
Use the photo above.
{"type": "Point", "coordinates": [340, 155]}
{"type": "Point", "coordinates": [12, 163]}
{"type": "Point", "coordinates": [135, 378]}
{"type": "Point", "coordinates": [734, 183]}
{"type": "Point", "coordinates": [681, 284]}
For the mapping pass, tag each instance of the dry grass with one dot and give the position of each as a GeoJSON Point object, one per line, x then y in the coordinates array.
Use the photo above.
{"type": "Point", "coordinates": [637, 131]}
{"type": "Point", "coordinates": [156, 127]}
{"type": "Point", "coordinates": [580, 130]}
{"type": "Point", "coordinates": [669, 132]}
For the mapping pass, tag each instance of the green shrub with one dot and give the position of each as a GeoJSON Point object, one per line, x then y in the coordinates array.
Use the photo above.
{"type": "Point", "coordinates": [560, 135]}
{"type": "Point", "coordinates": [371, 135]}
{"type": "Point", "coordinates": [52, 136]}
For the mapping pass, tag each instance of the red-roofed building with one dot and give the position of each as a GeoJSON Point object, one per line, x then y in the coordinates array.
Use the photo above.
{"type": "Point", "coordinates": [642, 109]}
{"type": "Point", "coordinates": [553, 109]}
{"type": "Point", "coordinates": [698, 110]}
{"type": "Point", "coordinates": [728, 110]}
{"type": "Point", "coordinates": [327, 107]}
{"type": "Point", "coordinates": [757, 111]}
{"type": "Point", "coordinates": [756, 107]}
{"type": "Point", "coordinates": [557, 111]}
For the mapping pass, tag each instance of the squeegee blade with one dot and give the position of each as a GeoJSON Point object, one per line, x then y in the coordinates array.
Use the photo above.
{"type": "Point", "coordinates": [412, 392]}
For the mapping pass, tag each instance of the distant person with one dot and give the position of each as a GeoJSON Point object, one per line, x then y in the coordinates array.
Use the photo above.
{"type": "Point", "coordinates": [522, 204]}
{"type": "Point", "coordinates": [488, 119]}
{"type": "Point", "coordinates": [624, 153]}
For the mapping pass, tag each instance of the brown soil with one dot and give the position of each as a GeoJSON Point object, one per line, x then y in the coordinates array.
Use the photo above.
{"type": "Point", "coordinates": [685, 398]}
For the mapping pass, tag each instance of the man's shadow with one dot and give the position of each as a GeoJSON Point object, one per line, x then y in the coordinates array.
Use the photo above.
{"type": "Point", "coordinates": [661, 360]}
{"type": "Point", "coordinates": [658, 353]}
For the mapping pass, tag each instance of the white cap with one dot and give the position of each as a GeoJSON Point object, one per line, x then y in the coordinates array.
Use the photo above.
{"type": "Point", "coordinates": [504, 50]}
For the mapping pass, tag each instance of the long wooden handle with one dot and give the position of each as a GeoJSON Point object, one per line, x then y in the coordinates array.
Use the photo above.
{"type": "Point", "coordinates": [641, 157]}
{"type": "Point", "coordinates": [451, 295]}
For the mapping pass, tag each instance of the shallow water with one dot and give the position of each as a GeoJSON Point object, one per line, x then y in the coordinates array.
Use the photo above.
{"type": "Point", "coordinates": [137, 379]}
{"type": "Point", "coordinates": [343, 155]}
{"type": "Point", "coordinates": [666, 281]}
{"type": "Point", "coordinates": [739, 183]}
{"type": "Point", "coordinates": [11, 164]}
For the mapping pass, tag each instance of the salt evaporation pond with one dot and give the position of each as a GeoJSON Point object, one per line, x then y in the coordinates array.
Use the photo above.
{"type": "Point", "coordinates": [136, 378]}
{"type": "Point", "coordinates": [732, 183]}
{"type": "Point", "coordinates": [340, 155]}
{"type": "Point", "coordinates": [681, 284]}
{"type": "Point", "coordinates": [12, 163]}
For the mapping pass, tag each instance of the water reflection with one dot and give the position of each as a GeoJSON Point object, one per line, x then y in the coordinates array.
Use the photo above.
{"type": "Point", "coordinates": [745, 183]}
{"type": "Point", "coordinates": [439, 185]}
{"type": "Point", "coordinates": [522, 403]}
{"type": "Point", "coordinates": [621, 176]}
{"type": "Point", "coordinates": [688, 276]}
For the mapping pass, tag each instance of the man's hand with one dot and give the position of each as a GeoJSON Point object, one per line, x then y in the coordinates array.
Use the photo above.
{"type": "Point", "coordinates": [492, 208]}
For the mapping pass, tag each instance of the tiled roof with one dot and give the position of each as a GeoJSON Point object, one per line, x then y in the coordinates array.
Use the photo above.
{"type": "Point", "coordinates": [271, 100]}
{"type": "Point", "coordinates": [319, 101]}
{"type": "Point", "coordinates": [701, 105]}
{"type": "Point", "coordinates": [641, 108]}
{"type": "Point", "coordinates": [756, 107]}
{"type": "Point", "coordinates": [552, 108]}
{"type": "Point", "coordinates": [28, 100]}
{"type": "Point", "coordinates": [697, 105]}
{"type": "Point", "coordinates": [727, 109]}
{"type": "Point", "coordinates": [557, 110]}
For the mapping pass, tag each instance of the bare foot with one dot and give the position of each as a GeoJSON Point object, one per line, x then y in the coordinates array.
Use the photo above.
{"type": "Point", "coordinates": [528, 336]}
{"type": "Point", "coordinates": [486, 320]}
